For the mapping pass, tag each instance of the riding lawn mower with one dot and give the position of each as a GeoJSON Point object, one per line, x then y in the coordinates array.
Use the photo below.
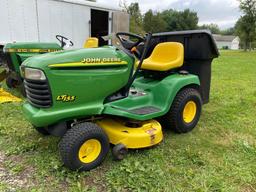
{"type": "Point", "coordinates": [119, 95]}
{"type": "Point", "coordinates": [17, 52]}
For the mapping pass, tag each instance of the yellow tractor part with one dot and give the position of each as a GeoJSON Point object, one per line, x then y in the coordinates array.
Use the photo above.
{"type": "Point", "coordinates": [189, 112]}
{"type": "Point", "coordinates": [91, 42]}
{"type": "Point", "coordinates": [8, 97]}
{"type": "Point", "coordinates": [147, 135]}
{"type": "Point", "coordinates": [165, 56]}
{"type": "Point", "coordinates": [89, 151]}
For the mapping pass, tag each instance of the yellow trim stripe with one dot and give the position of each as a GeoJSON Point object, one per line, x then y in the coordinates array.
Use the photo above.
{"type": "Point", "coordinates": [79, 64]}
{"type": "Point", "coordinates": [30, 50]}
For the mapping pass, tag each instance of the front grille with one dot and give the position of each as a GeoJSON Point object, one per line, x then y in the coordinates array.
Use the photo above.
{"type": "Point", "coordinates": [38, 93]}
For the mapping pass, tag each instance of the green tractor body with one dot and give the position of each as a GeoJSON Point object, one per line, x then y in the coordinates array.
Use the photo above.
{"type": "Point", "coordinates": [19, 52]}
{"type": "Point", "coordinates": [103, 86]}
{"type": "Point", "coordinates": [78, 90]}
{"type": "Point", "coordinates": [16, 53]}
{"type": "Point", "coordinates": [64, 71]}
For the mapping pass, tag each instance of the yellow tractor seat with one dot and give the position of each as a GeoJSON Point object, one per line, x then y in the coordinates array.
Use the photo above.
{"type": "Point", "coordinates": [165, 56]}
{"type": "Point", "coordinates": [91, 42]}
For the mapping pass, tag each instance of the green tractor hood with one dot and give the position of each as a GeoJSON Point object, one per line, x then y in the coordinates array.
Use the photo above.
{"type": "Point", "coordinates": [81, 58]}
{"type": "Point", "coordinates": [78, 82]}
{"type": "Point", "coordinates": [26, 46]}
{"type": "Point", "coordinates": [25, 50]}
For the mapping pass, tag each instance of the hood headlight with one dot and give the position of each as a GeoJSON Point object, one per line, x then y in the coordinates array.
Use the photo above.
{"type": "Point", "coordinates": [34, 74]}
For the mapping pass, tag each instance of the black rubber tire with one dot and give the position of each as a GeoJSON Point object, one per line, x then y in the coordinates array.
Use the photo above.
{"type": "Point", "coordinates": [174, 118]}
{"type": "Point", "coordinates": [11, 83]}
{"type": "Point", "coordinates": [42, 130]}
{"type": "Point", "coordinates": [119, 152]}
{"type": "Point", "coordinates": [72, 141]}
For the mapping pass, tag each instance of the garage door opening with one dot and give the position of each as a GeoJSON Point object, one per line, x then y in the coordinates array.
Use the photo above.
{"type": "Point", "coordinates": [99, 25]}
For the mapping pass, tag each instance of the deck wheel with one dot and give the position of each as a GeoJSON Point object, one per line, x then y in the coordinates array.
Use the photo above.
{"type": "Point", "coordinates": [119, 151]}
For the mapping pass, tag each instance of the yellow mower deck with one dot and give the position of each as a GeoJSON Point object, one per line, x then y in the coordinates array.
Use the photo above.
{"type": "Point", "coordinates": [149, 134]}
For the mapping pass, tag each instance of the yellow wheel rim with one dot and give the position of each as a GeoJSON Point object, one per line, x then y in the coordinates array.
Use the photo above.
{"type": "Point", "coordinates": [89, 151]}
{"type": "Point", "coordinates": [189, 112]}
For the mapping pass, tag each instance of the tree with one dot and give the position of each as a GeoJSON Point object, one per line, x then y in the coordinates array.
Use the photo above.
{"type": "Point", "coordinates": [229, 31]}
{"type": "Point", "coordinates": [168, 20]}
{"type": "Point", "coordinates": [214, 28]}
{"type": "Point", "coordinates": [154, 22]}
{"type": "Point", "coordinates": [245, 31]}
{"type": "Point", "coordinates": [171, 18]}
{"type": "Point", "coordinates": [248, 7]}
{"type": "Point", "coordinates": [189, 20]}
{"type": "Point", "coordinates": [180, 20]}
{"type": "Point", "coordinates": [246, 25]}
{"type": "Point", "coordinates": [136, 22]}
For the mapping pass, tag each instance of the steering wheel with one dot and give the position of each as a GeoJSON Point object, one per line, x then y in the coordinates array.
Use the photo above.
{"type": "Point", "coordinates": [64, 40]}
{"type": "Point", "coordinates": [129, 44]}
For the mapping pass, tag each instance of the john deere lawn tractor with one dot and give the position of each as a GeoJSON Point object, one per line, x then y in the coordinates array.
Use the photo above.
{"type": "Point", "coordinates": [96, 97]}
{"type": "Point", "coordinates": [17, 52]}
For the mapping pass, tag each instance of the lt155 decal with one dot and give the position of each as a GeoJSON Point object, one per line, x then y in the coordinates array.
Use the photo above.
{"type": "Point", "coordinates": [66, 98]}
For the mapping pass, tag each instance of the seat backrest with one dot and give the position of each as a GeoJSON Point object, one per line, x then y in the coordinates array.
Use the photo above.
{"type": "Point", "coordinates": [91, 42]}
{"type": "Point", "coordinates": [165, 56]}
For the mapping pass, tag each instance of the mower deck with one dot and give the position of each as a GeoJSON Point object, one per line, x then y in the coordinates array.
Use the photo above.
{"type": "Point", "coordinates": [146, 134]}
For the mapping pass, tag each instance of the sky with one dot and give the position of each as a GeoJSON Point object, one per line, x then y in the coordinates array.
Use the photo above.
{"type": "Point", "coordinates": [225, 13]}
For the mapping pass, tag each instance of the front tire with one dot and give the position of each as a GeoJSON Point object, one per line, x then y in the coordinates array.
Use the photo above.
{"type": "Point", "coordinates": [185, 111]}
{"type": "Point", "coordinates": [84, 147]}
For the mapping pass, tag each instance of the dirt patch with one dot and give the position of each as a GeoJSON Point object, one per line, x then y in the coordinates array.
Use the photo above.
{"type": "Point", "coordinates": [248, 188]}
{"type": "Point", "coordinates": [96, 179]}
{"type": "Point", "coordinates": [230, 137]}
{"type": "Point", "coordinates": [14, 181]}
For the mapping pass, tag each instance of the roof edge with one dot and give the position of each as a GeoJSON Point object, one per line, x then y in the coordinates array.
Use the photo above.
{"type": "Point", "coordinates": [92, 4]}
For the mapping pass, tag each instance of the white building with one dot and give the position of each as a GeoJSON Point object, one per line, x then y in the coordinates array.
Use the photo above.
{"type": "Point", "coordinates": [227, 41]}
{"type": "Point", "coordinates": [42, 20]}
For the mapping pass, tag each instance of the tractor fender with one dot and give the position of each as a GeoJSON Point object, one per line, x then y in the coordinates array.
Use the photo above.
{"type": "Point", "coordinates": [171, 86]}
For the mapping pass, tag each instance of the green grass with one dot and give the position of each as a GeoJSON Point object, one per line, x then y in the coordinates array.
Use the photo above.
{"type": "Point", "coordinates": [219, 155]}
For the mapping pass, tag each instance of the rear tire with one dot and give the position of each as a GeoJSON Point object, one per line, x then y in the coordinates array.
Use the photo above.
{"type": "Point", "coordinates": [84, 147]}
{"type": "Point", "coordinates": [185, 111]}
